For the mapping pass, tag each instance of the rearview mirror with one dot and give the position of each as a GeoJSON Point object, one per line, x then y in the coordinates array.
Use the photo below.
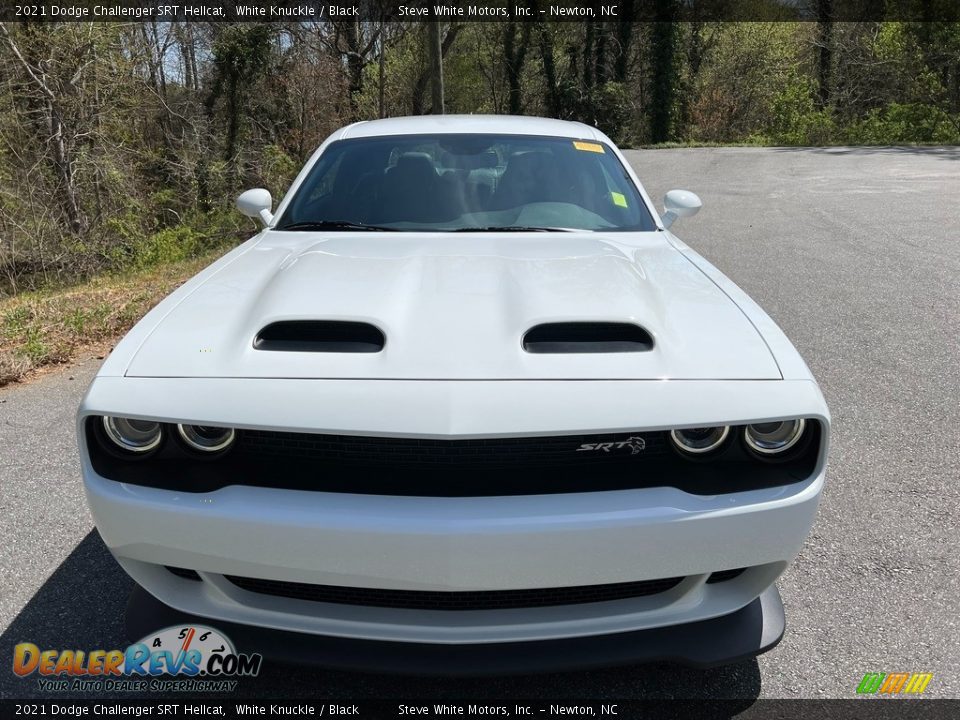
{"type": "Point", "coordinates": [256, 203]}
{"type": "Point", "coordinates": [679, 204]}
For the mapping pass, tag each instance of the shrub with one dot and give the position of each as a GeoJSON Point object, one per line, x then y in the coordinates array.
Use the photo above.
{"type": "Point", "coordinates": [167, 246]}
{"type": "Point", "coordinates": [906, 123]}
{"type": "Point", "coordinates": [796, 120]}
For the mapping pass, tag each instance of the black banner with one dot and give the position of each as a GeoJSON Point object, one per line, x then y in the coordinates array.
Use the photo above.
{"type": "Point", "coordinates": [480, 11]}
{"type": "Point", "coordinates": [857, 709]}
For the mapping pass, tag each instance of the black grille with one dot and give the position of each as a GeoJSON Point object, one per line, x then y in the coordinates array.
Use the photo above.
{"type": "Point", "coordinates": [554, 451]}
{"type": "Point", "coordinates": [450, 467]}
{"type": "Point", "coordinates": [459, 600]}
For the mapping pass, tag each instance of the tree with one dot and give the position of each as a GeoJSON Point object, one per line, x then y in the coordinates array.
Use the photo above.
{"type": "Point", "coordinates": [825, 46]}
{"type": "Point", "coordinates": [664, 73]}
{"type": "Point", "coordinates": [516, 40]}
{"type": "Point", "coordinates": [61, 136]}
{"type": "Point", "coordinates": [241, 56]}
{"type": "Point", "coordinates": [435, 50]}
{"type": "Point", "coordinates": [417, 104]}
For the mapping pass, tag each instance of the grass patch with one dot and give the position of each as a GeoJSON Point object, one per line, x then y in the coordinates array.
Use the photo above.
{"type": "Point", "coordinates": [49, 326]}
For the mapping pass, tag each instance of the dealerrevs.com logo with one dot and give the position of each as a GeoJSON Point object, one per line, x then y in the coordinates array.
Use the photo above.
{"type": "Point", "coordinates": [192, 658]}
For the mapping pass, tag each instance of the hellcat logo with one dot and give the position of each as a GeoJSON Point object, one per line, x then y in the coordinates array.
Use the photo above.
{"type": "Point", "coordinates": [636, 445]}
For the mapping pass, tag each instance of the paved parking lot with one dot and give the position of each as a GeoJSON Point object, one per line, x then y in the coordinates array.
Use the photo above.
{"type": "Point", "coordinates": [856, 254]}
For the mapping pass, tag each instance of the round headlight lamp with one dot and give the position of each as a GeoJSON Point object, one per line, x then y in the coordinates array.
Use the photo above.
{"type": "Point", "coordinates": [773, 438]}
{"type": "Point", "coordinates": [137, 436]}
{"type": "Point", "coordinates": [699, 441]}
{"type": "Point", "coordinates": [206, 438]}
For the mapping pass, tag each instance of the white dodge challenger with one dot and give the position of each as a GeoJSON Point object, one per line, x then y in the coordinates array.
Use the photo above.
{"type": "Point", "coordinates": [465, 404]}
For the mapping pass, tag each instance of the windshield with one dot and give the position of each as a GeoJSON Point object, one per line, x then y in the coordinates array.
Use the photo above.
{"type": "Point", "coordinates": [467, 182]}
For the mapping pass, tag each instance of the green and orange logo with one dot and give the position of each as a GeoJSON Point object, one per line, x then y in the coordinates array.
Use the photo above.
{"type": "Point", "coordinates": [894, 683]}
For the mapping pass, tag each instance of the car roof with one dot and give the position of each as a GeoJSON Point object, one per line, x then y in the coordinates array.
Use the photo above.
{"type": "Point", "coordinates": [490, 124]}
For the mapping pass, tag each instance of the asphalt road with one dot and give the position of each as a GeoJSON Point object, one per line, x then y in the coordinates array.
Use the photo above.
{"type": "Point", "coordinates": [856, 254]}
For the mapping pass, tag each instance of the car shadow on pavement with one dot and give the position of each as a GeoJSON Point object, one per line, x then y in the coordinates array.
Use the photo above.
{"type": "Point", "coordinates": [82, 605]}
{"type": "Point", "coordinates": [943, 152]}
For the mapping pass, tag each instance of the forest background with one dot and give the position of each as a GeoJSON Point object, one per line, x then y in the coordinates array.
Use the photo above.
{"type": "Point", "coordinates": [123, 145]}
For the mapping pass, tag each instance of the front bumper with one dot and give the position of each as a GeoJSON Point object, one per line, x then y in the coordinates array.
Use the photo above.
{"type": "Point", "coordinates": [743, 634]}
{"type": "Point", "coordinates": [453, 543]}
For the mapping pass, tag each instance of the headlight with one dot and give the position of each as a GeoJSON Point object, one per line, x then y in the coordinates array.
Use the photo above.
{"type": "Point", "coordinates": [697, 441]}
{"type": "Point", "coordinates": [137, 436]}
{"type": "Point", "coordinates": [204, 438]}
{"type": "Point", "coordinates": [773, 438]}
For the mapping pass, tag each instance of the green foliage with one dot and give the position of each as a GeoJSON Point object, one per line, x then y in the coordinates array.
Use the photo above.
{"type": "Point", "coordinates": [891, 42]}
{"type": "Point", "coordinates": [911, 123]}
{"type": "Point", "coordinates": [796, 120]}
{"type": "Point", "coordinates": [16, 321]}
{"type": "Point", "coordinates": [612, 101]}
{"type": "Point", "coordinates": [134, 248]}
{"type": "Point", "coordinates": [169, 245]}
{"type": "Point", "coordinates": [277, 170]}
{"type": "Point", "coordinates": [403, 64]}
{"type": "Point", "coordinates": [744, 68]}
{"type": "Point", "coordinates": [163, 125]}
{"type": "Point", "coordinates": [33, 346]}
{"type": "Point", "coordinates": [77, 321]}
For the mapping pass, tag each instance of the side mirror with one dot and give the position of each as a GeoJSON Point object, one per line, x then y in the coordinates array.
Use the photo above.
{"type": "Point", "coordinates": [679, 204]}
{"type": "Point", "coordinates": [256, 203]}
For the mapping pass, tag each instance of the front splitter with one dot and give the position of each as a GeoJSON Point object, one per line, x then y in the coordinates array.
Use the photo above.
{"type": "Point", "coordinates": [743, 634]}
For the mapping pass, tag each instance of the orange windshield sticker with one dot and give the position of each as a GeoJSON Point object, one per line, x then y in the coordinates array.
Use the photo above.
{"type": "Point", "coordinates": [588, 146]}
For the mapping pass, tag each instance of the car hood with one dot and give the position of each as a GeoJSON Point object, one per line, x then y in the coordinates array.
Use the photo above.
{"type": "Point", "coordinates": [457, 307]}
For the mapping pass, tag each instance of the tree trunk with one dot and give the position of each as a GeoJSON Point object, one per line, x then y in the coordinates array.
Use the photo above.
{"type": "Point", "coordinates": [420, 86]}
{"type": "Point", "coordinates": [662, 96]}
{"type": "Point", "coordinates": [151, 63]}
{"type": "Point", "coordinates": [192, 54]}
{"type": "Point", "coordinates": [382, 61]}
{"type": "Point", "coordinates": [587, 68]}
{"type": "Point", "coordinates": [515, 55]}
{"type": "Point", "coordinates": [436, 67]}
{"type": "Point", "coordinates": [355, 63]}
{"type": "Point", "coordinates": [185, 36]}
{"type": "Point", "coordinates": [64, 166]}
{"type": "Point", "coordinates": [825, 53]}
{"type": "Point", "coordinates": [161, 51]}
{"type": "Point", "coordinates": [621, 62]}
{"type": "Point", "coordinates": [600, 74]}
{"type": "Point", "coordinates": [554, 96]}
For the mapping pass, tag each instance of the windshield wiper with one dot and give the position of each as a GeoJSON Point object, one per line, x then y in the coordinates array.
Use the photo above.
{"type": "Point", "coordinates": [513, 228]}
{"type": "Point", "coordinates": [333, 225]}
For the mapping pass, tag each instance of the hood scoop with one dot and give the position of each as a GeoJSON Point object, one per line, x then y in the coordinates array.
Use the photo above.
{"type": "Point", "coordinates": [587, 337]}
{"type": "Point", "coordinates": [442, 306]}
{"type": "Point", "coordinates": [320, 336]}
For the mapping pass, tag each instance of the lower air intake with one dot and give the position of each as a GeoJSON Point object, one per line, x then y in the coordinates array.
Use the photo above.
{"type": "Point", "coordinates": [458, 600]}
{"type": "Point", "coordinates": [724, 575]}
{"type": "Point", "coordinates": [184, 573]}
